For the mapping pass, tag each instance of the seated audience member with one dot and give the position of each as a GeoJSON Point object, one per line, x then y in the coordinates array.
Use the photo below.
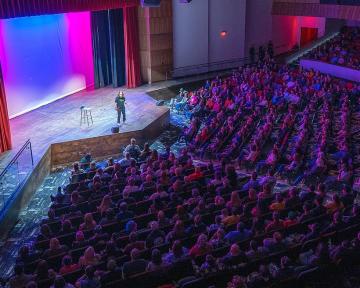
{"type": "Point", "coordinates": [218, 238]}
{"type": "Point", "coordinates": [45, 233]}
{"type": "Point", "coordinates": [319, 209]}
{"type": "Point", "coordinates": [274, 244]}
{"type": "Point", "coordinates": [105, 204]}
{"type": "Point", "coordinates": [135, 266]}
{"type": "Point", "coordinates": [66, 227]}
{"type": "Point", "coordinates": [285, 271]}
{"type": "Point", "coordinates": [76, 169]}
{"type": "Point", "coordinates": [86, 159]}
{"type": "Point", "coordinates": [156, 262]}
{"type": "Point", "coordinates": [55, 248]}
{"type": "Point", "coordinates": [176, 254]}
{"type": "Point", "coordinates": [181, 214]}
{"type": "Point", "coordinates": [318, 257]}
{"type": "Point", "coordinates": [89, 280]}
{"type": "Point", "coordinates": [201, 247]}
{"type": "Point", "coordinates": [252, 183]}
{"type": "Point", "coordinates": [156, 237]}
{"type": "Point", "coordinates": [254, 251]}
{"type": "Point", "coordinates": [89, 222]}
{"type": "Point", "coordinates": [235, 201]}
{"type": "Point", "coordinates": [146, 152]}
{"type": "Point", "coordinates": [314, 232]}
{"type": "Point", "coordinates": [59, 282]}
{"type": "Point", "coordinates": [343, 251]}
{"type": "Point", "coordinates": [109, 217]}
{"type": "Point", "coordinates": [133, 149]}
{"type": "Point", "coordinates": [134, 243]}
{"type": "Point", "coordinates": [19, 279]}
{"type": "Point", "coordinates": [42, 271]}
{"type": "Point", "coordinates": [131, 187]}
{"type": "Point", "coordinates": [112, 272]}
{"type": "Point", "coordinates": [229, 219]}
{"type": "Point", "coordinates": [198, 226]}
{"type": "Point", "coordinates": [130, 226]}
{"type": "Point", "coordinates": [275, 224]}
{"type": "Point", "coordinates": [290, 219]}
{"type": "Point", "coordinates": [25, 256]}
{"type": "Point", "coordinates": [124, 213]}
{"type": "Point", "coordinates": [162, 220]}
{"type": "Point", "coordinates": [148, 184]}
{"type": "Point", "coordinates": [336, 224]}
{"type": "Point", "coordinates": [89, 257]}
{"type": "Point", "coordinates": [334, 205]}
{"type": "Point", "coordinates": [238, 235]}
{"type": "Point", "coordinates": [67, 265]}
{"type": "Point", "coordinates": [347, 197]}
{"type": "Point", "coordinates": [126, 162]}
{"type": "Point", "coordinates": [354, 217]}
{"type": "Point", "coordinates": [210, 264]}
{"type": "Point", "coordinates": [178, 232]}
{"type": "Point", "coordinates": [197, 175]}
{"type": "Point", "coordinates": [234, 257]}
{"type": "Point", "coordinates": [80, 240]}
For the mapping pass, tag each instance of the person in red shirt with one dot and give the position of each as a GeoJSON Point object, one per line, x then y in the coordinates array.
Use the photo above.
{"type": "Point", "coordinates": [290, 220]}
{"type": "Point", "coordinates": [197, 175]}
{"type": "Point", "coordinates": [275, 224]}
{"type": "Point", "coordinates": [202, 247]}
{"type": "Point", "coordinates": [67, 265]}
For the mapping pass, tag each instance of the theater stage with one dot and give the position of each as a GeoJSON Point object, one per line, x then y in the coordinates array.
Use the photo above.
{"type": "Point", "coordinates": [59, 122]}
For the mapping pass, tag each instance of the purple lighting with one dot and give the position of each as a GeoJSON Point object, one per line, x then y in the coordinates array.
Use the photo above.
{"type": "Point", "coordinates": [45, 58]}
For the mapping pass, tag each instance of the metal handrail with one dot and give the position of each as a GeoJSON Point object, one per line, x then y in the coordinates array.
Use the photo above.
{"type": "Point", "coordinates": [13, 160]}
{"type": "Point", "coordinates": [211, 64]}
{"type": "Point", "coordinates": [204, 66]}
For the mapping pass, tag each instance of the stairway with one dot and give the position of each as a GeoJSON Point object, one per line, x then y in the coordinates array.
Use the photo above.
{"type": "Point", "coordinates": [294, 58]}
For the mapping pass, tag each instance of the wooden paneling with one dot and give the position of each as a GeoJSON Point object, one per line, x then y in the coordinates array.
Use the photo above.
{"type": "Point", "coordinates": [156, 41]}
{"type": "Point", "coordinates": [68, 152]}
{"type": "Point", "coordinates": [316, 10]}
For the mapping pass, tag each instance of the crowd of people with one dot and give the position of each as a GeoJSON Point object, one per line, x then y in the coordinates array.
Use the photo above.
{"type": "Point", "coordinates": [343, 49]}
{"type": "Point", "coordinates": [153, 213]}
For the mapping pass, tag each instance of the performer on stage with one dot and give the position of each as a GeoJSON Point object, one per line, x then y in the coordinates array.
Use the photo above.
{"type": "Point", "coordinates": [120, 106]}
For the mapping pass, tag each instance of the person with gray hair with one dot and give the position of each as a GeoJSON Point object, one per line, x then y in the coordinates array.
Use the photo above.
{"type": "Point", "coordinates": [125, 162]}
{"type": "Point", "coordinates": [135, 266]}
{"type": "Point", "coordinates": [133, 149]}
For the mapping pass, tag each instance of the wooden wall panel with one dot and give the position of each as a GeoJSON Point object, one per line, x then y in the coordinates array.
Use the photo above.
{"type": "Point", "coordinates": [156, 41]}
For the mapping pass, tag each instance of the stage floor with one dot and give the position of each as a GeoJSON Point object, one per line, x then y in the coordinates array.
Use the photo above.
{"type": "Point", "coordinates": [60, 121]}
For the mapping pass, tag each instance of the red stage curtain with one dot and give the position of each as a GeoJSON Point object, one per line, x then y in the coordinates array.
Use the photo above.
{"type": "Point", "coordinates": [132, 51]}
{"type": "Point", "coordinates": [5, 136]}
{"type": "Point", "coordinates": [21, 8]}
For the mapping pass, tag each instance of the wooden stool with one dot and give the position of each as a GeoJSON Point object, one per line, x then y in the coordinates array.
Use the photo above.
{"type": "Point", "coordinates": [85, 115]}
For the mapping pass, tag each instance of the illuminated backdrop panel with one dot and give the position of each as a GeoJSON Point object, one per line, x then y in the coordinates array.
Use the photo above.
{"type": "Point", "coordinates": [45, 58]}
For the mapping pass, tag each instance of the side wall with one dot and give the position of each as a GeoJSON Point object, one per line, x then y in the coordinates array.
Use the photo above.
{"type": "Point", "coordinates": [286, 30]}
{"type": "Point", "coordinates": [258, 23]}
{"type": "Point", "coordinates": [197, 26]}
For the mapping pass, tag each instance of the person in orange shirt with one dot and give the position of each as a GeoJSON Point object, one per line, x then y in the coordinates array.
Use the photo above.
{"type": "Point", "coordinates": [278, 204]}
{"type": "Point", "coordinates": [334, 205]}
{"type": "Point", "coordinates": [229, 219]}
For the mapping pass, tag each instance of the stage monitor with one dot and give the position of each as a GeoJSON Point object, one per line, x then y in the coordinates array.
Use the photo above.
{"type": "Point", "coordinates": [150, 3]}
